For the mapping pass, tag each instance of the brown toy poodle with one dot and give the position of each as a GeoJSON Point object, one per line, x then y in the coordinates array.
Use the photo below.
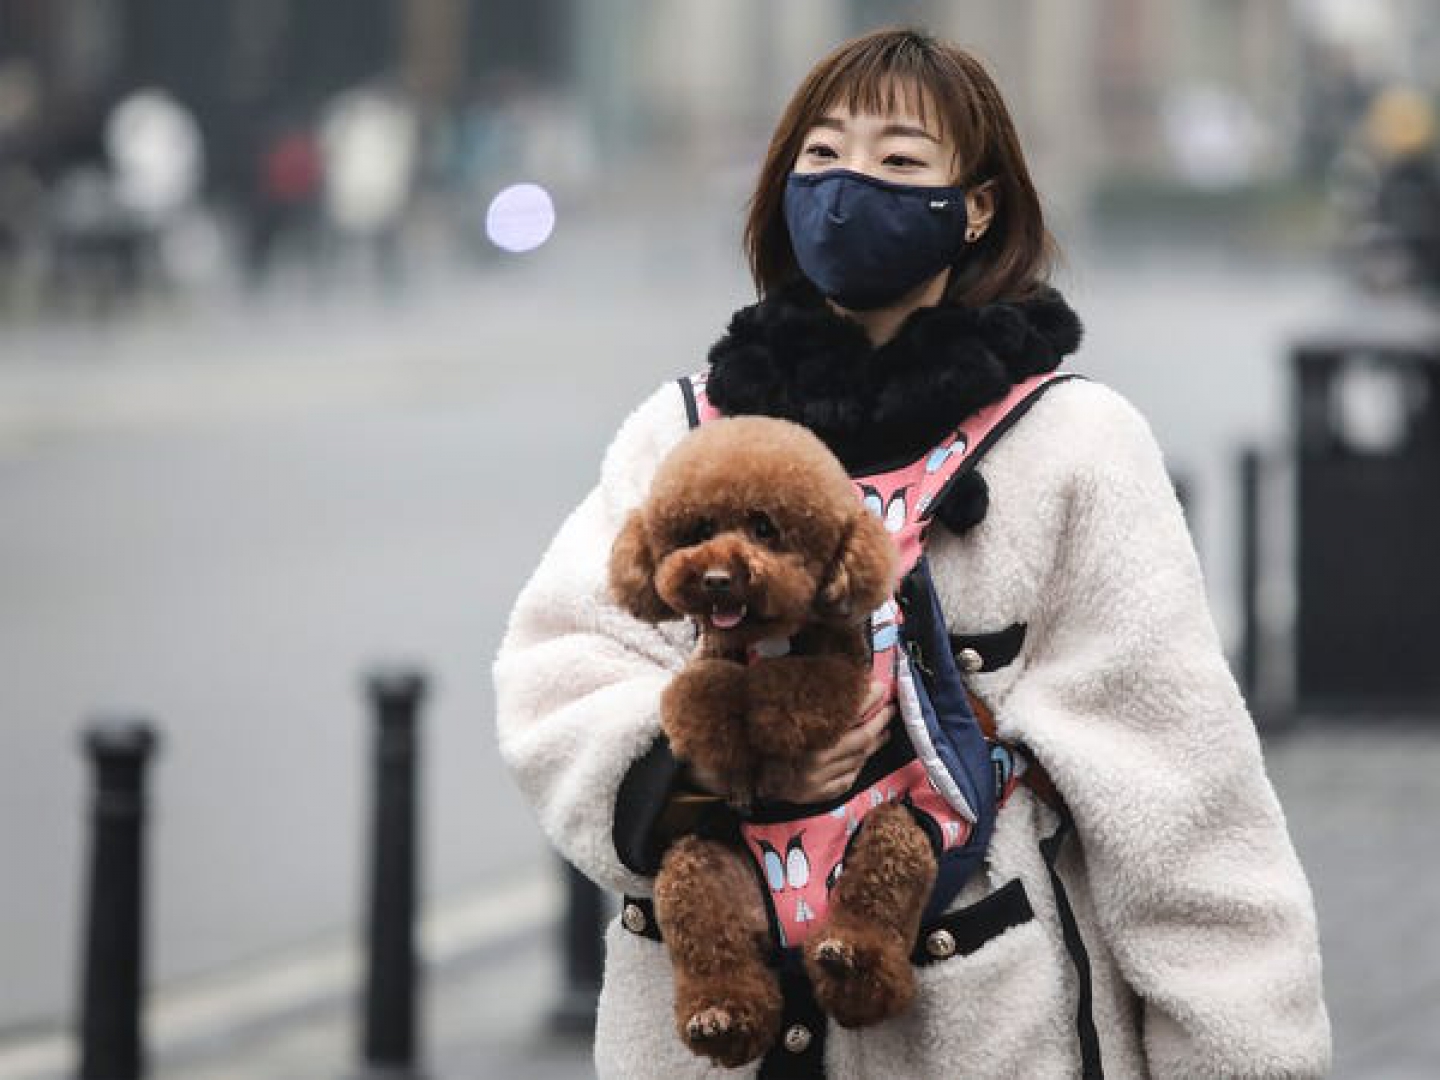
{"type": "Point", "coordinates": [753, 529]}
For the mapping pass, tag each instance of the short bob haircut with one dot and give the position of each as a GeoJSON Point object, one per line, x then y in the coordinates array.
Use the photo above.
{"type": "Point", "coordinates": [877, 73]}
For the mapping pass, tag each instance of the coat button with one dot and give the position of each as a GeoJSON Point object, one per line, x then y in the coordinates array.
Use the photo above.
{"type": "Point", "coordinates": [797, 1038]}
{"type": "Point", "coordinates": [940, 944]}
{"type": "Point", "coordinates": [633, 919]}
{"type": "Point", "coordinates": [970, 661]}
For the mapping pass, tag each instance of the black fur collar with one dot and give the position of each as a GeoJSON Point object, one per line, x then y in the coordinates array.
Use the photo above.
{"type": "Point", "coordinates": [791, 356]}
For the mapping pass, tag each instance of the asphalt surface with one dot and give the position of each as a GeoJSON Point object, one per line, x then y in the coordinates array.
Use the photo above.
{"type": "Point", "coordinates": [1360, 799]}
{"type": "Point", "coordinates": [220, 513]}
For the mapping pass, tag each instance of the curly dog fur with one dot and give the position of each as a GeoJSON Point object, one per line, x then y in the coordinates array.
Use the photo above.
{"type": "Point", "coordinates": [753, 529]}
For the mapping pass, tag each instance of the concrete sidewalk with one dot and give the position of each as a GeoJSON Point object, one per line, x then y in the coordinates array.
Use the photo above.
{"type": "Point", "coordinates": [1361, 802]}
{"type": "Point", "coordinates": [486, 1018]}
{"type": "Point", "coordinates": [1362, 798]}
{"type": "Point", "coordinates": [490, 984]}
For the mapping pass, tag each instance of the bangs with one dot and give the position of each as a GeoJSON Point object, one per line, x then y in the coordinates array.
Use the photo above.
{"type": "Point", "coordinates": [899, 73]}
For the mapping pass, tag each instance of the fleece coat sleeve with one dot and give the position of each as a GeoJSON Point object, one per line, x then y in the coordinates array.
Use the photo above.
{"type": "Point", "coordinates": [578, 680]}
{"type": "Point", "coordinates": [1128, 702]}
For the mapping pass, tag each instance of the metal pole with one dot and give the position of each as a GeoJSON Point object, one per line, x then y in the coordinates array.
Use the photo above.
{"type": "Point", "coordinates": [1250, 464]}
{"type": "Point", "coordinates": [582, 941]}
{"type": "Point", "coordinates": [392, 987]}
{"type": "Point", "coordinates": [111, 1044]}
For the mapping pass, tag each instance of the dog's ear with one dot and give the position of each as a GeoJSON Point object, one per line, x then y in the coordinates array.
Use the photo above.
{"type": "Point", "coordinates": [632, 573]}
{"type": "Point", "coordinates": [862, 575]}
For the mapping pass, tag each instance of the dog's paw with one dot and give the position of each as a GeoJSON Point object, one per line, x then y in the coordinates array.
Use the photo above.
{"type": "Point", "coordinates": [791, 713]}
{"type": "Point", "coordinates": [702, 711]}
{"type": "Point", "coordinates": [776, 731]}
{"type": "Point", "coordinates": [731, 1030]}
{"type": "Point", "coordinates": [836, 955]}
{"type": "Point", "coordinates": [860, 978]}
{"type": "Point", "coordinates": [708, 1025]}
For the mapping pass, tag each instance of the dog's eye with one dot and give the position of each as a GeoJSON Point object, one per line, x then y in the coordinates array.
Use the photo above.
{"type": "Point", "coordinates": [697, 532]}
{"type": "Point", "coordinates": [762, 528]}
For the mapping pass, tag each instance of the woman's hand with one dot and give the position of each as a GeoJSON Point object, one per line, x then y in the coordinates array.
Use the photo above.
{"type": "Point", "coordinates": [822, 774]}
{"type": "Point", "coordinates": [825, 774]}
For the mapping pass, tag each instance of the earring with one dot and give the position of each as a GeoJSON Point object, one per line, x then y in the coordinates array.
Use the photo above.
{"type": "Point", "coordinates": [971, 235]}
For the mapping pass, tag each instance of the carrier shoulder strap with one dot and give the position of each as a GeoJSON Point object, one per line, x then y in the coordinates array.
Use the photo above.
{"type": "Point", "coordinates": [989, 425]}
{"type": "Point", "coordinates": [1090, 1062]}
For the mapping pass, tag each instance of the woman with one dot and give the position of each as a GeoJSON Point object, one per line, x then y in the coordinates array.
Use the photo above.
{"type": "Point", "coordinates": [900, 256]}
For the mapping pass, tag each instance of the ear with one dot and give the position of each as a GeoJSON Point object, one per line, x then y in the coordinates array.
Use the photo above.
{"type": "Point", "coordinates": [980, 205]}
{"type": "Point", "coordinates": [862, 576]}
{"type": "Point", "coordinates": [632, 573]}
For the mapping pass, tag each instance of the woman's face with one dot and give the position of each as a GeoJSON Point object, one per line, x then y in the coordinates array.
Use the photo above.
{"type": "Point", "coordinates": [898, 147]}
{"type": "Point", "coordinates": [894, 146]}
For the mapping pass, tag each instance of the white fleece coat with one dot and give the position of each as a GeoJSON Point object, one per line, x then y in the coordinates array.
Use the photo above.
{"type": "Point", "coordinates": [1197, 917]}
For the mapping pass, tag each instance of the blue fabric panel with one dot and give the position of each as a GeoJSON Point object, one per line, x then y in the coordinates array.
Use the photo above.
{"type": "Point", "coordinates": [954, 730]}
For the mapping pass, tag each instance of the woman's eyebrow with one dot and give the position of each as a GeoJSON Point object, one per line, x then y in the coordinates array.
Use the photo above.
{"type": "Point", "coordinates": [834, 123]}
{"type": "Point", "coordinates": [906, 129]}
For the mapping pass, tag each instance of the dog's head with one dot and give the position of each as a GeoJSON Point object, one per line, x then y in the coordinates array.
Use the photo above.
{"type": "Point", "coordinates": [753, 528]}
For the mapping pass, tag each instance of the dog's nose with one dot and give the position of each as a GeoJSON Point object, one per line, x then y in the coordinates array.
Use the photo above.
{"type": "Point", "coordinates": [716, 581]}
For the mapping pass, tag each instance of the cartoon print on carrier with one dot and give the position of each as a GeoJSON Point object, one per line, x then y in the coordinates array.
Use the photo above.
{"type": "Point", "coordinates": [803, 858]}
{"type": "Point", "coordinates": [800, 859]}
{"type": "Point", "coordinates": [885, 627]}
{"type": "Point", "coordinates": [892, 510]}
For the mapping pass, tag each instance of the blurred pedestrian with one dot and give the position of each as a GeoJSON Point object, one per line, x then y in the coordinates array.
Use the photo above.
{"type": "Point", "coordinates": [1400, 130]}
{"type": "Point", "coordinates": [21, 191]}
{"type": "Point", "coordinates": [370, 143]}
{"type": "Point", "coordinates": [288, 176]}
{"type": "Point", "coordinates": [901, 258]}
{"type": "Point", "coordinates": [1386, 186]}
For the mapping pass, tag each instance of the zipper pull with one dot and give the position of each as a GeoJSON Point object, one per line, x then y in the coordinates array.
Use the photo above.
{"type": "Point", "coordinates": [918, 656]}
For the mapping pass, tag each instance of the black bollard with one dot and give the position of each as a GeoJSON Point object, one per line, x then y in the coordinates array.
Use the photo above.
{"type": "Point", "coordinates": [1250, 474]}
{"type": "Point", "coordinates": [392, 985]}
{"type": "Point", "coordinates": [582, 943]}
{"type": "Point", "coordinates": [111, 1044]}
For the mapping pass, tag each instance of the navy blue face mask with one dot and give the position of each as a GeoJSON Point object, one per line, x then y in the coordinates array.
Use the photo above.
{"type": "Point", "coordinates": [866, 242]}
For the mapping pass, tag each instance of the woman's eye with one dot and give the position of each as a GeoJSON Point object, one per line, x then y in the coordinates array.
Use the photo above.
{"type": "Point", "coordinates": [762, 528]}
{"type": "Point", "coordinates": [820, 150]}
{"type": "Point", "coordinates": [697, 532]}
{"type": "Point", "coordinates": [903, 162]}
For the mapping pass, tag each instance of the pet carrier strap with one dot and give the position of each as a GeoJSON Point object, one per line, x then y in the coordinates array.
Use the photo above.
{"type": "Point", "coordinates": [1091, 1068]}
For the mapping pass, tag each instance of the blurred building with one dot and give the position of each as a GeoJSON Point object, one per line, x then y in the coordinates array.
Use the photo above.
{"type": "Point", "coordinates": [1098, 85]}
{"type": "Point", "coordinates": [244, 65]}
{"type": "Point", "coordinates": [1208, 93]}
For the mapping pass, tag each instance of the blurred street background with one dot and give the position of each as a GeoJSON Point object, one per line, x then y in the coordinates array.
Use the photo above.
{"type": "Point", "coordinates": [317, 315]}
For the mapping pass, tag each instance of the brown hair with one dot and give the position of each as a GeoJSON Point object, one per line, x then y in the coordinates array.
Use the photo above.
{"type": "Point", "coordinates": [873, 74]}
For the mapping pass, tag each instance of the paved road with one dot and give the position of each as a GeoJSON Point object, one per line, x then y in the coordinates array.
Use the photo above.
{"type": "Point", "coordinates": [1360, 800]}
{"type": "Point", "coordinates": [219, 515]}
{"type": "Point", "coordinates": [220, 521]}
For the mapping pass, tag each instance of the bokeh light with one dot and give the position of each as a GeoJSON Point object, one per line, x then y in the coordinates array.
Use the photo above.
{"type": "Point", "coordinates": [520, 218]}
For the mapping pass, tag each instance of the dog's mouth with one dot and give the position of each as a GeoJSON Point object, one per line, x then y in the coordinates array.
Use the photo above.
{"type": "Point", "coordinates": [727, 616]}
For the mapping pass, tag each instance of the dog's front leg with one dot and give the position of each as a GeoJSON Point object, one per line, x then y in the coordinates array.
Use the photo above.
{"type": "Point", "coordinates": [703, 712]}
{"type": "Point", "coordinates": [803, 703]}
{"type": "Point", "coordinates": [859, 958]}
{"type": "Point", "coordinates": [712, 917]}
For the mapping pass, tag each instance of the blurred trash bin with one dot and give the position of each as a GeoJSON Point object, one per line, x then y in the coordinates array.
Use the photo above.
{"type": "Point", "coordinates": [1368, 526]}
